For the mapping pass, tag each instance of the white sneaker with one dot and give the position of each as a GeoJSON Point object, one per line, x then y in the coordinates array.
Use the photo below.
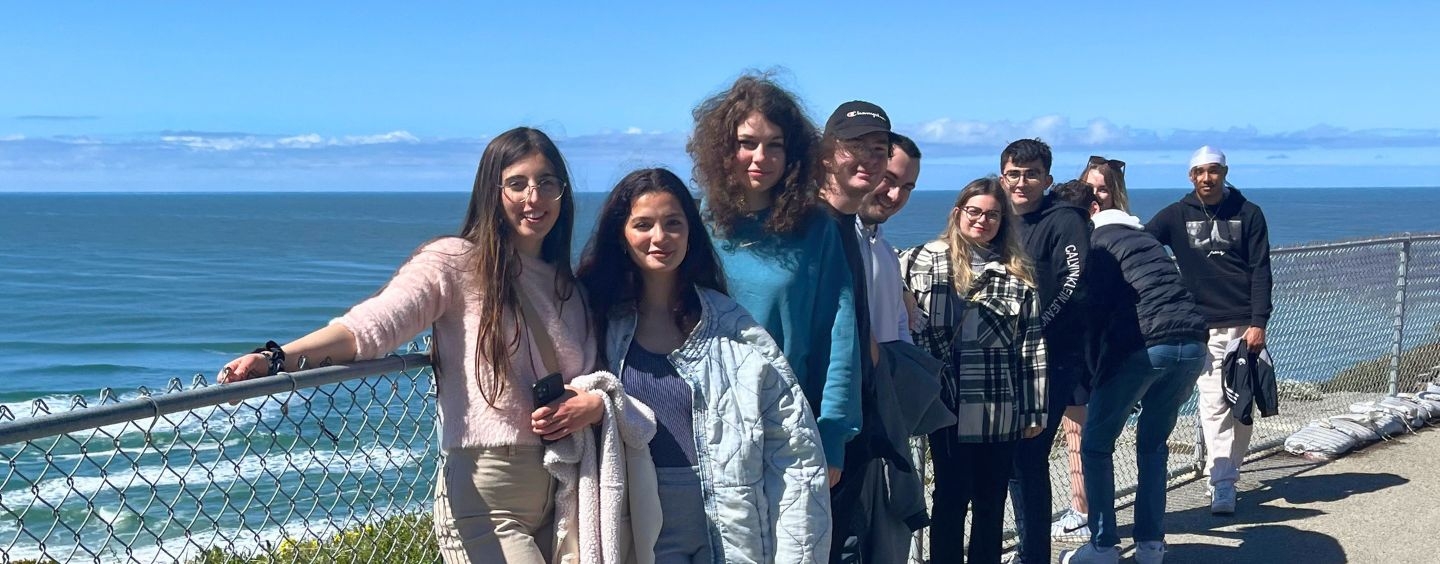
{"type": "Point", "coordinates": [1072, 525]}
{"type": "Point", "coordinates": [1150, 552]}
{"type": "Point", "coordinates": [1091, 554]}
{"type": "Point", "coordinates": [1222, 502]}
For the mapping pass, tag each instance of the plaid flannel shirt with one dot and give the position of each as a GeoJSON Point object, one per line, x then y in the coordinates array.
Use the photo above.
{"type": "Point", "coordinates": [991, 344]}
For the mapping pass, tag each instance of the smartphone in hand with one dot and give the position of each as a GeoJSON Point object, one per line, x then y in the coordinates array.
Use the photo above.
{"type": "Point", "coordinates": [546, 391]}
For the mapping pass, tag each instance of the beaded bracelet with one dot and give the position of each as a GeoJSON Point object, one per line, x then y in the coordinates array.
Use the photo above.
{"type": "Point", "coordinates": [276, 356]}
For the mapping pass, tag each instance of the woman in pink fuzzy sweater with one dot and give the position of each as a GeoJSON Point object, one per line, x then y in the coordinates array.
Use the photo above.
{"type": "Point", "coordinates": [494, 499]}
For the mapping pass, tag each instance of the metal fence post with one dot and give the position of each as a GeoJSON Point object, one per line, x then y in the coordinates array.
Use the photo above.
{"type": "Point", "coordinates": [1399, 323]}
{"type": "Point", "coordinates": [1199, 440]}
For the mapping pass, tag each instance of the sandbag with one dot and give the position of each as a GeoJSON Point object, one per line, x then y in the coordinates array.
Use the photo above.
{"type": "Point", "coordinates": [1320, 440]}
{"type": "Point", "coordinates": [1429, 399]}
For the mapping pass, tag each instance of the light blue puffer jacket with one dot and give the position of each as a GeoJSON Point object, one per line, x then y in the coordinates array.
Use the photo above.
{"type": "Point", "coordinates": [761, 466]}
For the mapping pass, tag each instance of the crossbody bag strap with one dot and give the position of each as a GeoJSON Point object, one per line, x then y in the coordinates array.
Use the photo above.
{"type": "Point", "coordinates": [538, 333]}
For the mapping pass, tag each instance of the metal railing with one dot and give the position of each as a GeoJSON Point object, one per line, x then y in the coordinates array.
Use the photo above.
{"type": "Point", "coordinates": [337, 464]}
{"type": "Point", "coordinates": [1353, 320]}
{"type": "Point", "coordinates": [332, 464]}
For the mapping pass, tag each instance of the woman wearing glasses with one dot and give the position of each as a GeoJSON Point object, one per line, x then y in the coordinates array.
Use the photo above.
{"type": "Point", "coordinates": [756, 158]}
{"type": "Point", "coordinates": [740, 472]}
{"type": "Point", "coordinates": [494, 500]}
{"type": "Point", "coordinates": [975, 286]}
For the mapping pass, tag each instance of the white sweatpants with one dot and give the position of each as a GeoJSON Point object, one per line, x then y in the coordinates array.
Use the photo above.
{"type": "Point", "coordinates": [1226, 439]}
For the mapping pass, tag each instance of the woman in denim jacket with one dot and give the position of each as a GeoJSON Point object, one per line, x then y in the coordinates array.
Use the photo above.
{"type": "Point", "coordinates": [738, 460]}
{"type": "Point", "coordinates": [976, 288]}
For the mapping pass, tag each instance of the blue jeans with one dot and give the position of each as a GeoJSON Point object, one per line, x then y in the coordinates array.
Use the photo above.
{"type": "Point", "coordinates": [1161, 378]}
{"type": "Point", "coordinates": [685, 531]}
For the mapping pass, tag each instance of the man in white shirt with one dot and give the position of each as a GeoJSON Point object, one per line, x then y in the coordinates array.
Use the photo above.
{"type": "Point", "coordinates": [890, 318]}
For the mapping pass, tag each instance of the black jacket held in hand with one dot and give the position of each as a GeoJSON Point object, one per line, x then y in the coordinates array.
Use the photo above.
{"type": "Point", "coordinates": [1057, 238]}
{"type": "Point", "coordinates": [1224, 256]}
{"type": "Point", "coordinates": [1134, 295]}
{"type": "Point", "coordinates": [1249, 382]}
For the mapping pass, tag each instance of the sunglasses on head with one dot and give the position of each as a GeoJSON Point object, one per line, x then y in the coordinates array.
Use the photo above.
{"type": "Point", "coordinates": [1114, 164]}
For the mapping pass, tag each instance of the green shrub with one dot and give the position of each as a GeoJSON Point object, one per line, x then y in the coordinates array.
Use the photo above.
{"type": "Point", "coordinates": [407, 538]}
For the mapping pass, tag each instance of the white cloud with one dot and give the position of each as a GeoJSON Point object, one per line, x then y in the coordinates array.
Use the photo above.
{"type": "Point", "coordinates": [950, 136]}
{"type": "Point", "coordinates": [237, 142]}
{"type": "Point", "coordinates": [402, 160]}
{"type": "Point", "coordinates": [398, 136]}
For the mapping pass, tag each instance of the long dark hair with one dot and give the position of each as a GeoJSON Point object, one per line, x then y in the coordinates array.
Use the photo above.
{"type": "Point", "coordinates": [611, 278]}
{"type": "Point", "coordinates": [714, 143]}
{"type": "Point", "coordinates": [495, 264]}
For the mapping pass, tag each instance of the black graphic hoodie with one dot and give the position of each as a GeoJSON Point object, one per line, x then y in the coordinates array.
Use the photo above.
{"type": "Point", "coordinates": [1057, 238]}
{"type": "Point", "coordinates": [1224, 256]}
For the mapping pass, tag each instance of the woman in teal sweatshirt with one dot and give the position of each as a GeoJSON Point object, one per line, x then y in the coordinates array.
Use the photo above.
{"type": "Point", "coordinates": [755, 157]}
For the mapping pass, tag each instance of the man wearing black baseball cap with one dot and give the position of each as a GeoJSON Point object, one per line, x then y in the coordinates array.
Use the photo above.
{"type": "Point", "coordinates": [853, 152]}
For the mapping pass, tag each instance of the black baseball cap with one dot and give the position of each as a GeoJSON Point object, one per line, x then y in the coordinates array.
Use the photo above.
{"type": "Point", "coordinates": [855, 118]}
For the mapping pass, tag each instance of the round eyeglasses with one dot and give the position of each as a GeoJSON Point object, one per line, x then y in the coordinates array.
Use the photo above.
{"type": "Point", "coordinates": [547, 188]}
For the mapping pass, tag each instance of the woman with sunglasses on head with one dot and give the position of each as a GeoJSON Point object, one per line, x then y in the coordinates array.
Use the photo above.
{"type": "Point", "coordinates": [1107, 178]}
{"type": "Point", "coordinates": [975, 286]}
{"type": "Point", "coordinates": [1147, 346]}
{"type": "Point", "coordinates": [737, 455]}
{"type": "Point", "coordinates": [756, 159]}
{"type": "Point", "coordinates": [485, 293]}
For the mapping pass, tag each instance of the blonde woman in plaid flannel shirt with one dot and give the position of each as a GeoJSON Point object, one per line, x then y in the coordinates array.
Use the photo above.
{"type": "Point", "coordinates": [976, 289]}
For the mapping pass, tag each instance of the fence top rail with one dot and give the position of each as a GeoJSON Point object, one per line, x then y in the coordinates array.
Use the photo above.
{"type": "Point", "coordinates": [54, 424]}
{"type": "Point", "coordinates": [1400, 238]}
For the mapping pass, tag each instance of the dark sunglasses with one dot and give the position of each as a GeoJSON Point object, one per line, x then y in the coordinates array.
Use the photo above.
{"type": "Point", "coordinates": [1116, 165]}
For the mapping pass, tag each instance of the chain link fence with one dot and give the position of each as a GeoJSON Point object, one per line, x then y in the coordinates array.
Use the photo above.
{"type": "Point", "coordinates": [337, 464]}
{"type": "Point", "coordinates": [1353, 321]}
{"type": "Point", "coordinates": [333, 464]}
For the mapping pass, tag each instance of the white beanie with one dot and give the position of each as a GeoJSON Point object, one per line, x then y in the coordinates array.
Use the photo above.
{"type": "Point", "coordinates": [1207, 155]}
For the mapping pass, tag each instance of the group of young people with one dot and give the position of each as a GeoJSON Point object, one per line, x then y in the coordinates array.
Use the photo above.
{"type": "Point", "coordinates": [739, 382]}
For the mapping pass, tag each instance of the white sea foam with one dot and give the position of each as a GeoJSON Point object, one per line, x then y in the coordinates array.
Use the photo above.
{"type": "Point", "coordinates": [24, 409]}
{"type": "Point", "coordinates": [182, 549]}
{"type": "Point", "coordinates": [256, 469]}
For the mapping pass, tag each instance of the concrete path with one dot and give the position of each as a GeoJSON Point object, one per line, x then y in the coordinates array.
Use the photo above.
{"type": "Point", "coordinates": [1380, 504]}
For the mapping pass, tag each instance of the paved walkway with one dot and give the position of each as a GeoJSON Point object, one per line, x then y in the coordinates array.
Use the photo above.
{"type": "Point", "coordinates": [1380, 504]}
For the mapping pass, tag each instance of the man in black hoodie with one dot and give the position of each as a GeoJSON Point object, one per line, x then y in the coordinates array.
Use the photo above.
{"type": "Point", "coordinates": [1057, 238]}
{"type": "Point", "coordinates": [1222, 245]}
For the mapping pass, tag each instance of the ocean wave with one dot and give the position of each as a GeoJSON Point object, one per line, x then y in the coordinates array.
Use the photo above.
{"type": "Point", "coordinates": [251, 469]}
{"type": "Point", "coordinates": [24, 408]}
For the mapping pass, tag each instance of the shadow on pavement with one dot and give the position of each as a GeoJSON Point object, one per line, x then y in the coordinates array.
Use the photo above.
{"type": "Point", "coordinates": [1256, 525]}
{"type": "Point", "coordinates": [1263, 543]}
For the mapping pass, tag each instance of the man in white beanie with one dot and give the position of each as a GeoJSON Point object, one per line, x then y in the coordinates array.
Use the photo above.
{"type": "Point", "coordinates": [1222, 245]}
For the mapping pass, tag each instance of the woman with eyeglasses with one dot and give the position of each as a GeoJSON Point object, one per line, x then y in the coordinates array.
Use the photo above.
{"type": "Point", "coordinates": [757, 159]}
{"type": "Point", "coordinates": [975, 285]}
{"type": "Point", "coordinates": [485, 293]}
{"type": "Point", "coordinates": [740, 472]}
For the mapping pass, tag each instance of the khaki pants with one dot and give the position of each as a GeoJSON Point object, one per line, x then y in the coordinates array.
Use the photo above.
{"type": "Point", "coordinates": [1226, 439]}
{"type": "Point", "coordinates": [495, 505]}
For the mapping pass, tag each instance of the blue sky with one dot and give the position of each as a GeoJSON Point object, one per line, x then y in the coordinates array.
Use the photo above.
{"type": "Point", "coordinates": [104, 96]}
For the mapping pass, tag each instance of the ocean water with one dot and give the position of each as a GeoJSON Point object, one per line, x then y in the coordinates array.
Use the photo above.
{"type": "Point", "coordinates": [102, 290]}
{"type": "Point", "coordinates": [123, 291]}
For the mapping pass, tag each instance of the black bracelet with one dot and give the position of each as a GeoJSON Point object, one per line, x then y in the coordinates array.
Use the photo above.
{"type": "Point", "coordinates": [276, 356]}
